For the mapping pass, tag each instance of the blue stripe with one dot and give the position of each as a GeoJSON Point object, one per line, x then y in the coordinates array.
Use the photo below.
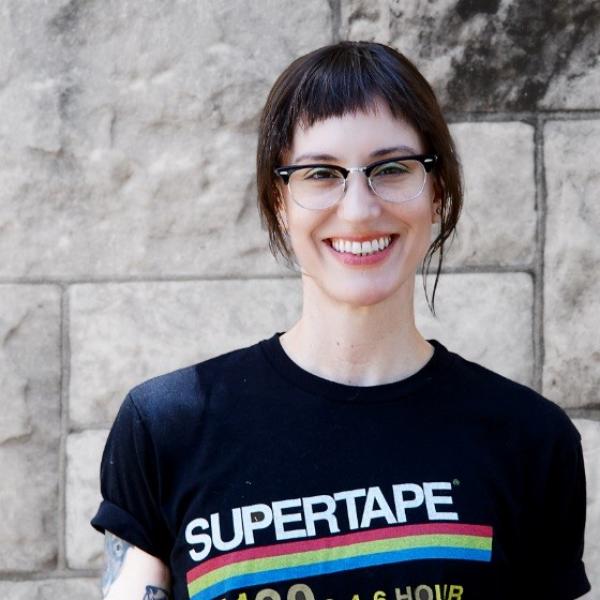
{"type": "Point", "coordinates": [340, 564]}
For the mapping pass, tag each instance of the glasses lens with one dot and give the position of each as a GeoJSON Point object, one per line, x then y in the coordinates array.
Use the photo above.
{"type": "Point", "coordinates": [398, 181]}
{"type": "Point", "coordinates": [316, 187]}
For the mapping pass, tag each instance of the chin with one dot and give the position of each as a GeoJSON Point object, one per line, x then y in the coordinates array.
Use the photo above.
{"type": "Point", "coordinates": [356, 298]}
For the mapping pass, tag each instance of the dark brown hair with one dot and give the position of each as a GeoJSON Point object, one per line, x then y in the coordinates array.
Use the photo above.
{"type": "Point", "coordinates": [344, 78]}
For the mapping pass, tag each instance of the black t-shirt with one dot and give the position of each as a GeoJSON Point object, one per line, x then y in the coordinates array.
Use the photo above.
{"type": "Point", "coordinates": [252, 478]}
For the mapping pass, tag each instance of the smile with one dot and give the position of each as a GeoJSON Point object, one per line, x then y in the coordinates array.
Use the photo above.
{"type": "Point", "coordinates": [361, 248]}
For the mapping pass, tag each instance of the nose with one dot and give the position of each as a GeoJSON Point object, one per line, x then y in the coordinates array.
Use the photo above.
{"type": "Point", "coordinates": [359, 203]}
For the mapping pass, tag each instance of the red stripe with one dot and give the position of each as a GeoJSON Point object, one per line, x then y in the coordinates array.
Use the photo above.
{"type": "Point", "coordinates": [337, 540]}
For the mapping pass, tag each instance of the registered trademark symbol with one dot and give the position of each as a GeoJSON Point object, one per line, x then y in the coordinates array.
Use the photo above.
{"type": "Point", "coordinates": [456, 482]}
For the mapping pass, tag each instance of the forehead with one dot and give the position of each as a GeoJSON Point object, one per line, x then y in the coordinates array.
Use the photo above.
{"type": "Point", "coordinates": [355, 136]}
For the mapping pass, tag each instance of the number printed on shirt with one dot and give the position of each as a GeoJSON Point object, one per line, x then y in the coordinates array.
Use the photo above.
{"type": "Point", "coordinates": [298, 591]}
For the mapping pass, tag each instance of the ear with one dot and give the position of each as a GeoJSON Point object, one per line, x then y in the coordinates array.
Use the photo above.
{"type": "Point", "coordinates": [436, 205]}
{"type": "Point", "coordinates": [436, 211]}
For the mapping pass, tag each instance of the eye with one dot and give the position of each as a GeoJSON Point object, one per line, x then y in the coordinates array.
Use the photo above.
{"type": "Point", "coordinates": [321, 173]}
{"type": "Point", "coordinates": [391, 168]}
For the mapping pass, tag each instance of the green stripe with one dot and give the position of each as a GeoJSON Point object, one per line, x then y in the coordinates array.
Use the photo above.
{"type": "Point", "coordinates": [326, 554]}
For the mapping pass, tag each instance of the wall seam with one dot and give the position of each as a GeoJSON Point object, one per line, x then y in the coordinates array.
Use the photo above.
{"type": "Point", "coordinates": [64, 427]}
{"type": "Point", "coordinates": [530, 116]}
{"type": "Point", "coordinates": [19, 576]}
{"type": "Point", "coordinates": [538, 297]}
{"type": "Point", "coordinates": [456, 270]}
{"type": "Point", "coordinates": [336, 19]}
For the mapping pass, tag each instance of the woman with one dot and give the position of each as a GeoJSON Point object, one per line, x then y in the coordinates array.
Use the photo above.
{"type": "Point", "coordinates": [348, 458]}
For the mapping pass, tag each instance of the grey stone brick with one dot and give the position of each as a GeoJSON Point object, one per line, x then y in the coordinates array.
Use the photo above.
{"type": "Point", "coordinates": [494, 56]}
{"type": "Point", "coordinates": [498, 222]}
{"type": "Point", "coordinates": [30, 425]}
{"type": "Point", "coordinates": [46, 589]}
{"type": "Point", "coordinates": [122, 334]}
{"type": "Point", "coordinates": [571, 259]}
{"type": "Point", "coordinates": [365, 20]}
{"type": "Point", "coordinates": [590, 441]}
{"type": "Point", "coordinates": [132, 136]}
{"type": "Point", "coordinates": [84, 544]}
{"type": "Point", "coordinates": [486, 318]}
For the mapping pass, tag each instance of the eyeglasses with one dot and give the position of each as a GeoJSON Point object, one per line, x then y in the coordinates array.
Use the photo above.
{"type": "Point", "coordinates": [320, 186]}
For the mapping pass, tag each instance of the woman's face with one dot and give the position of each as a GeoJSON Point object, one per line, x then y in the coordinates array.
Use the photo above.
{"type": "Point", "coordinates": [357, 140]}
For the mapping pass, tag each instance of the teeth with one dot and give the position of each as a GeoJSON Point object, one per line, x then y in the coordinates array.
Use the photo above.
{"type": "Point", "coordinates": [363, 248]}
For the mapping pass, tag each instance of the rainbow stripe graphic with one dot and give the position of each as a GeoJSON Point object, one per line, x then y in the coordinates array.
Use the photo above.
{"type": "Point", "coordinates": [333, 554]}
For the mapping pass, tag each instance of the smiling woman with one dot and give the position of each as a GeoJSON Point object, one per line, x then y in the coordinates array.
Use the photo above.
{"type": "Point", "coordinates": [348, 457]}
{"type": "Point", "coordinates": [343, 80]}
{"type": "Point", "coordinates": [391, 200]}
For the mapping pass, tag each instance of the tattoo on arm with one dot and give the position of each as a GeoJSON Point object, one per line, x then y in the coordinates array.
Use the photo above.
{"type": "Point", "coordinates": [156, 593]}
{"type": "Point", "coordinates": [115, 550]}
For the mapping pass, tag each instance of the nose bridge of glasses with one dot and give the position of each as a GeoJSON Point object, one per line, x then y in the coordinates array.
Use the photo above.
{"type": "Point", "coordinates": [362, 170]}
{"type": "Point", "coordinates": [357, 197]}
{"type": "Point", "coordinates": [354, 169]}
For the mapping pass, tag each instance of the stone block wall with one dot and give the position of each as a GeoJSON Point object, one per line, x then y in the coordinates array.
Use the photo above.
{"type": "Point", "coordinates": [131, 245]}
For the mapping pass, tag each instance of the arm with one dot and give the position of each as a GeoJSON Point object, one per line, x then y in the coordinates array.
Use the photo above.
{"type": "Point", "coordinates": [132, 574]}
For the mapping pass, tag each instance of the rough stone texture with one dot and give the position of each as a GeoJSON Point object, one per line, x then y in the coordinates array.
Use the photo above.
{"type": "Point", "coordinates": [29, 425]}
{"type": "Point", "coordinates": [365, 20]}
{"type": "Point", "coordinates": [485, 318]}
{"type": "Point", "coordinates": [497, 225]}
{"type": "Point", "coordinates": [129, 133]}
{"type": "Point", "coordinates": [571, 259]}
{"type": "Point", "coordinates": [590, 441]}
{"type": "Point", "coordinates": [84, 544]}
{"type": "Point", "coordinates": [490, 55]}
{"type": "Point", "coordinates": [122, 334]}
{"type": "Point", "coordinates": [50, 589]}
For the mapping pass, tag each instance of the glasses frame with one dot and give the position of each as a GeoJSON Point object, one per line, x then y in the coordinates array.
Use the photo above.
{"type": "Point", "coordinates": [428, 161]}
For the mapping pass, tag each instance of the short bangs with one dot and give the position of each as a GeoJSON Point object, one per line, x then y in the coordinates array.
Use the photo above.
{"type": "Point", "coordinates": [349, 78]}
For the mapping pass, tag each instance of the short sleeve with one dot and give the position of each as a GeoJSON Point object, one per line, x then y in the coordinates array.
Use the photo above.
{"type": "Point", "coordinates": [129, 484]}
{"type": "Point", "coordinates": [556, 550]}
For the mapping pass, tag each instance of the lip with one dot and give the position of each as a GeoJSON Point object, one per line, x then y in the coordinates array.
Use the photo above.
{"type": "Point", "coordinates": [348, 258]}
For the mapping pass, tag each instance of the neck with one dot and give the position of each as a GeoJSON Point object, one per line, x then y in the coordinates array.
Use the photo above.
{"type": "Point", "coordinates": [357, 345]}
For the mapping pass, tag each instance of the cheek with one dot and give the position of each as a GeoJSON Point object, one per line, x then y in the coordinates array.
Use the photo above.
{"type": "Point", "coordinates": [301, 227]}
{"type": "Point", "coordinates": [428, 203]}
{"type": "Point", "coordinates": [417, 213]}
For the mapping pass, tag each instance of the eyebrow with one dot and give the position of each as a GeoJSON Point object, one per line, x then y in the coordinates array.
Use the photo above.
{"type": "Point", "coordinates": [375, 154]}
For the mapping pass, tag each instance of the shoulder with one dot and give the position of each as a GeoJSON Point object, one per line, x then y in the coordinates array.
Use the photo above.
{"type": "Point", "coordinates": [185, 391]}
{"type": "Point", "coordinates": [516, 404]}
